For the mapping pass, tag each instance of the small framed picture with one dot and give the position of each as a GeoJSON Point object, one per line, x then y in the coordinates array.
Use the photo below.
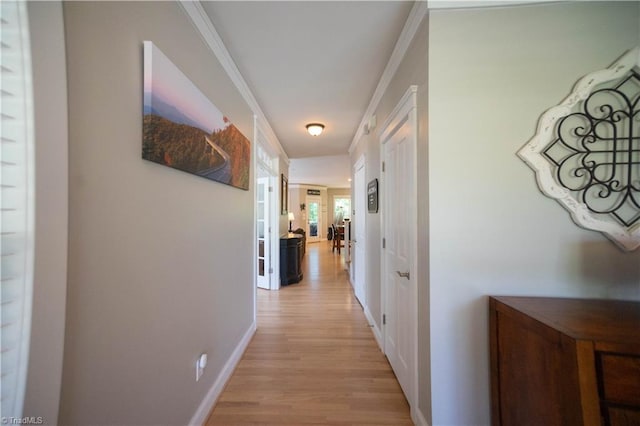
{"type": "Point", "coordinates": [372, 196]}
{"type": "Point", "coordinates": [284, 192]}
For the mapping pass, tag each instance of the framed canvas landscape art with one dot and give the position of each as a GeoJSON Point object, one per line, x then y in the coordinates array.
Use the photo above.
{"type": "Point", "coordinates": [184, 130]}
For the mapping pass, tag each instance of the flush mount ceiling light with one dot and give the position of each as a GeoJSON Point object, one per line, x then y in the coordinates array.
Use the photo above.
{"type": "Point", "coordinates": [315, 129]}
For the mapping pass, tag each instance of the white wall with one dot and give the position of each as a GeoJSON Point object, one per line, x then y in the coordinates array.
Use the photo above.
{"type": "Point", "coordinates": [50, 279]}
{"type": "Point", "coordinates": [492, 73]}
{"type": "Point", "coordinates": [160, 261]}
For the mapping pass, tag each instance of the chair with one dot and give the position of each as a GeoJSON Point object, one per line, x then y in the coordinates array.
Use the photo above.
{"type": "Point", "coordinates": [338, 237]}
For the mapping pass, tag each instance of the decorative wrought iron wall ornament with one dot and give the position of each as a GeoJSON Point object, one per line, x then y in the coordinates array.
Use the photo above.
{"type": "Point", "coordinates": [586, 152]}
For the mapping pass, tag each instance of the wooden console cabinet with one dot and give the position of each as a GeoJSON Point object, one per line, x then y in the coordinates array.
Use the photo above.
{"type": "Point", "coordinates": [291, 251]}
{"type": "Point", "coordinates": [564, 362]}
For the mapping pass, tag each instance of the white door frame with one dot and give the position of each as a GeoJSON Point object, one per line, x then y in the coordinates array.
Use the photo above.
{"type": "Point", "coordinates": [272, 168]}
{"type": "Point", "coordinates": [274, 220]}
{"type": "Point", "coordinates": [360, 241]}
{"type": "Point", "coordinates": [268, 200]}
{"type": "Point", "coordinates": [403, 112]}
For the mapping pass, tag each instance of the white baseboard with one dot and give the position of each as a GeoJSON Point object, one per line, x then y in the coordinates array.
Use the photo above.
{"type": "Point", "coordinates": [418, 418]}
{"type": "Point", "coordinates": [201, 414]}
{"type": "Point", "coordinates": [376, 331]}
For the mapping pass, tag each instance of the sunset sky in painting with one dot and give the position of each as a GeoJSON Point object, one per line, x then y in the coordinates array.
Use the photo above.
{"type": "Point", "coordinates": [170, 85]}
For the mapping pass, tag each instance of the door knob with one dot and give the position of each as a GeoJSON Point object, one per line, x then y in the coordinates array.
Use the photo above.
{"type": "Point", "coordinates": [403, 274]}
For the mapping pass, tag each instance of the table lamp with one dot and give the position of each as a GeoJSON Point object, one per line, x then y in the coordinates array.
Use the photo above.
{"type": "Point", "coordinates": [291, 219]}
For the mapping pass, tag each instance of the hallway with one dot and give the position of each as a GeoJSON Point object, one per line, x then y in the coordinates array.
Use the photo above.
{"type": "Point", "coordinates": [313, 359]}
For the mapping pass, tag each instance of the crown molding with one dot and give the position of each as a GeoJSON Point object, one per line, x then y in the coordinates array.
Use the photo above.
{"type": "Point", "coordinates": [308, 186]}
{"type": "Point", "coordinates": [417, 14]}
{"type": "Point", "coordinates": [475, 4]}
{"type": "Point", "coordinates": [204, 26]}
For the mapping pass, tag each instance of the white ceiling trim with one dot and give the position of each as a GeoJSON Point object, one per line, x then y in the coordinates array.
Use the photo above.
{"type": "Point", "coordinates": [470, 4]}
{"type": "Point", "coordinates": [417, 14]}
{"type": "Point", "coordinates": [203, 24]}
{"type": "Point", "coordinates": [309, 186]}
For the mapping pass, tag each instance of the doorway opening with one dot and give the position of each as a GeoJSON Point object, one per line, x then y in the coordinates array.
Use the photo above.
{"type": "Point", "coordinates": [314, 219]}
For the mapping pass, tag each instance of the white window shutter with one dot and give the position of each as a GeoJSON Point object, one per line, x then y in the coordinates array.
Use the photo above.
{"type": "Point", "coordinates": [17, 204]}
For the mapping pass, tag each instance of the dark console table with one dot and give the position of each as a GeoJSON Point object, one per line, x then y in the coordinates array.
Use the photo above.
{"type": "Point", "coordinates": [291, 259]}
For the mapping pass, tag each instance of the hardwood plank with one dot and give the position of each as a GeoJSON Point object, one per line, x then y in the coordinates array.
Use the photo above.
{"type": "Point", "coordinates": [313, 359]}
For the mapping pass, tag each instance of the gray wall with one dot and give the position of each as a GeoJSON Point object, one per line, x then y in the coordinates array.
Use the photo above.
{"type": "Point", "coordinates": [412, 71]}
{"type": "Point", "coordinates": [160, 261]}
{"type": "Point", "coordinates": [492, 73]}
{"type": "Point", "coordinates": [42, 396]}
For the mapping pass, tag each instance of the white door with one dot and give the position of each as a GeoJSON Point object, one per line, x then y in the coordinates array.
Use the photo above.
{"type": "Point", "coordinates": [400, 242]}
{"type": "Point", "coordinates": [314, 219]}
{"type": "Point", "coordinates": [358, 241]}
{"type": "Point", "coordinates": [263, 247]}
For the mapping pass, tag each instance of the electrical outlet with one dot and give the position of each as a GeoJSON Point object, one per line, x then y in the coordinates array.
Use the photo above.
{"type": "Point", "coordinates": [201, 363]}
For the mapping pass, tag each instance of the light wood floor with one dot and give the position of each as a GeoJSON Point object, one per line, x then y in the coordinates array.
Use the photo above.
{"type": "Point", "coordinates": [314, 359]}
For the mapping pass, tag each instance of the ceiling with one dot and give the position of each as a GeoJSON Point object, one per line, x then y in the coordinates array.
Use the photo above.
{"type": "Point", "coordinates": [332, 171]}
{"type": "Point", "coordinates": [311, 61]}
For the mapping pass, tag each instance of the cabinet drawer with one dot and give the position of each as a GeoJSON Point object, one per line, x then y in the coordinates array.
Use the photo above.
{"type": "Point", "coordinates": [621, 379]}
